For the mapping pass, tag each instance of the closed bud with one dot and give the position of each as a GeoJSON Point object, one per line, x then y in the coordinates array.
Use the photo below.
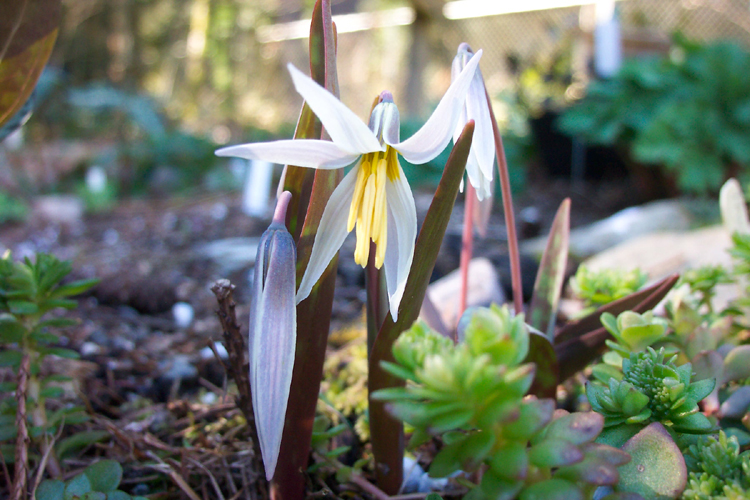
{"type": "Point", "coordinates": [273, 333]}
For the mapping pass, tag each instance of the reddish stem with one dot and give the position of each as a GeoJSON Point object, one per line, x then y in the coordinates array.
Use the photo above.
{"type": "Point", "coordinates": [279, 214]}
{"type": "Point", "coordinates": [467, 249]}
{"type": "Point", "coordinates": [510, 218]}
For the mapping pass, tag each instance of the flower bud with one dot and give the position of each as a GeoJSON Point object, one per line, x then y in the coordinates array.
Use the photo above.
{"type": "Point", "coordinates": [273, 333]}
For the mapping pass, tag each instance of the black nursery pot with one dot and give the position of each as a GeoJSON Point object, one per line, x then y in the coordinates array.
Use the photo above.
{"type": "Point", "coordinates": [556, 152]}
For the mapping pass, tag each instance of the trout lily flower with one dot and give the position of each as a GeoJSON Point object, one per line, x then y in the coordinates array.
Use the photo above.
{"type": "Point", "coordinates": [479, 166]}
{"type": "Point", "coordinates": [374, 197]}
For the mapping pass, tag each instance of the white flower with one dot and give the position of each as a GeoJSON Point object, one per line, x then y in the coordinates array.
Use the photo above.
{"type": "Point", "coordinates": [479, 166]}
{"type": "Point", "coordinates": [374, 196]}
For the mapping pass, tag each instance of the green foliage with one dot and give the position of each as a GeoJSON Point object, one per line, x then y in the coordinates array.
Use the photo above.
{"type": "Point", "coordinates": [12, 209]}
{"type": "Point", "coordinates": [633, 332]}
{"type": "Point", "coordinates": [652, 389]}
{"type": "Point", "coordinates": [597, 288]}
{"type": "Point", "coordinates": [689, 112]}
{"type": "Point", "coordinates": [703, 280]}
{"type": "Point", "coordinates": [717, 470]}
{"type": "Point", "coordinates": [473, 396]}
{"type": "Point", "coordinates": [28, 292]}
{"type": "Point", "coordinates": [98, 482]}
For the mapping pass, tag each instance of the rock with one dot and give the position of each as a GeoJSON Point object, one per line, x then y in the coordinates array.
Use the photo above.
{"type": "Point", "coordinates": [230, 254]}
{"type": "Point", "coordinates": [665, 253]}
{"type": "Point", "coordinates": [484, 289]}
{"type": "Point", "coordinates": [58, 208]}
{"type": "Point", "coordinates": [413, 473]}
{"type": "Point", "coordinates": [183, 314]}
{"type": "Point", "coordinates": [178, 367]}
{"type": "Point", "coordinates": [657, 216]}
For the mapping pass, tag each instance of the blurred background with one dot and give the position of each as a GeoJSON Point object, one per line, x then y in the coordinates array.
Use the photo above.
{"type": "Point", "coordinates": [146, 90]}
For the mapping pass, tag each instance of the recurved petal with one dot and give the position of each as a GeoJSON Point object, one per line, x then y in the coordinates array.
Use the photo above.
{"type": "Point", "coordinates": [331, 233]}
{"type": "Point", "coordinates": [483, 141]}
{"type": "Point", "coordinates": [434, 135]}
{"type": "Point", "coordinates": [274, 344]}
{"type": "Point", "coordinates": [402, 232]}
{"type": "Point", "coordinates": [309, 153]}
{"type": "Point", "coordinates": [344, 127]}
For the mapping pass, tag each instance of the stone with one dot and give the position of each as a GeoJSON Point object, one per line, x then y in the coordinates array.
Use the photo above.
{"type": "Point", "coordinates": [61, 209]}
{"type": "Point", "coordinates": [484, 289]}
{"type": "Point", "coordinates": [657, 216]}
{"type": "Point", "coordinates": [183, 314]}
{"type": "Point", "coordinates": [230, 254]}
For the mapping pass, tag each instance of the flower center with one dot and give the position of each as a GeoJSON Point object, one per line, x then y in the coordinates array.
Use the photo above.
{"type": "Point", "coordinates": [368, 208]}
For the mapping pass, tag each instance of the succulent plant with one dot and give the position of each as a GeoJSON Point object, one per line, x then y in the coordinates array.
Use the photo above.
{"type": "Point", "coordinates": [473, 396]}
{"type": "Point", "coordinates": [633, 332]}
{"type": "Point", "coordinates": [597, 288]}
{"type": "Point", "coordinates": [653, 389]}
{"type": "Point", "coordinates": [717, 470]}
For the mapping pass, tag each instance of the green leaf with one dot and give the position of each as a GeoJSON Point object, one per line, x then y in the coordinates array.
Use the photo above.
{"type": "Point", "coordinates": [79, 440]}
{"type": "Point", "coordinates": [73, 288]}
{"type": "Point", "coordinates": [77, 487]}
{"type": "Point", "coordinates": [576, 428]}
{"type": "Point", "coordinates": [542, 354]}
{"type": "Point", "coordinates": [737, 364]}
{"type": "Point", "coordinates": [554, 452]}
{"type": "Point", "coordinates": [552, 489]}
{"type": "Point", "coordinates": [104, 475]}
{"type": "Point", "coordinates": [118, 495]}
{"type": "Point", "coordinates": [10, 358]}
{"type": "Point", "coordinates": [11, 330]}
{"type": "Point", "coordinates": [57, 323]}
{"type": "Point", "coordinates": [22, 307]}
{"type": "Point", "coordinates": [700, 389]}
{"type": "Point", "coordinates": [8, 432]}
{"type": "Point", "coordinates": [387, 432]}
{"type": "Point", "coordinates": [60, 352]}
{"type": "Point", "coordinates": [50, 489]}
{"type": "Point", "coordinates": [551, 274]}
{"type": "Point", "coordinates": [44, 337]}
{"type": "Point", "coordinates": [51, 392]}
{"type": "Point", "coordinates": [511, 461]}
{"type": "Point", "coordinates": [657, 468]}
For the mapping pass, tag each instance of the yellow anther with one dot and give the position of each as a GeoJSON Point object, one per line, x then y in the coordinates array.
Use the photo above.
{"type": "Point", "coordinates": [359, 188]}
{"type": "Point", "coordinates": [368, 210]}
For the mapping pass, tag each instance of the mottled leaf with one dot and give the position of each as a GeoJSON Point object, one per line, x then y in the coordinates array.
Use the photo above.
{"type": "Point", "coordinates": [549, 279]}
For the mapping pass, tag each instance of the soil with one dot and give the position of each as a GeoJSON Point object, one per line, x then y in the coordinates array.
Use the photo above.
{"type": "Point", "coordinates": [153, 384]}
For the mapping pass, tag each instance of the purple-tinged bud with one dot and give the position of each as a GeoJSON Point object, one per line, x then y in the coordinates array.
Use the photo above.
{"type": "Point", "coordinates": [273, 332]}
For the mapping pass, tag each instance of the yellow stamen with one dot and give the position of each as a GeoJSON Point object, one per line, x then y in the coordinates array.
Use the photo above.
{"type": "Point", "coordinates": [368, 210]}
{"type": "Point", "coordinates": [359, 188]}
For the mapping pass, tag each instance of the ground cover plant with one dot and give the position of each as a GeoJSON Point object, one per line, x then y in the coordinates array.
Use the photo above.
{"type": "Point", "coordinates": [664, 406]}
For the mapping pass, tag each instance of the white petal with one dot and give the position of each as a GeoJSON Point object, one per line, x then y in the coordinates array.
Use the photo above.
{"type": "Point", "coordinates": [309, 153]}
{"type": "Point", "coordinates": [331, 233]}
{"type": "Point", "coordinates": [273, 350]}
{"type": "Point", "coordinates": [483, 140]}
{"type": "Point", "coordinates": [344, 127]}
{"type": "Point", "coordinates": [402, 232]}
{"type": "Point", "coordinates": [434, 135]}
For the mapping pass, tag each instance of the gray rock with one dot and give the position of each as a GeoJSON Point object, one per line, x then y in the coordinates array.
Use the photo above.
{"type": "Point", "coordinates": [484, 289]}
{"type": "Point", "coordinates": [230, 254]}
{"type": "Point", "coordinates": [58, 208]}
{"type": "Point", "coordinates": [663, 215]}
{"type": "Point", "coordinates": [178, 367]}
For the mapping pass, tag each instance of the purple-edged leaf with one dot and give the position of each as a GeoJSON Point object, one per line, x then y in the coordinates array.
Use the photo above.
{"type": "Point", "coordinates": [657, 468]}
{"type": "Point", "coordinates": [593, 321]}
{"type": "Point", "coordinates": [28, 30]}
{"type": "Point", "coordinates": [737, 364]}
{"type": "Point", "coordinates": [549, 279]}
{"type": "Point", "coordinates": [542, 354]}
{"type": "Point", "coordinates": [581, 347]}
{"type": "Point", "coordinates": [387, 432]}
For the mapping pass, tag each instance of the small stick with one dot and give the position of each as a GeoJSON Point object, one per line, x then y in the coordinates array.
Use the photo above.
{"type": "Point", "coordinates": [20, 481]}
{"type": "Point", "coordinates": [510, 218]}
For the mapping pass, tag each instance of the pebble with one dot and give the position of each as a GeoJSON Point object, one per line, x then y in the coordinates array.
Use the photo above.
{"type": "Point", "coordinates": [183, 314]}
